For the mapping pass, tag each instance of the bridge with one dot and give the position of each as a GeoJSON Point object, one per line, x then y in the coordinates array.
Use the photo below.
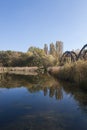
{"type": "Point", "coordinates": [73, 56]}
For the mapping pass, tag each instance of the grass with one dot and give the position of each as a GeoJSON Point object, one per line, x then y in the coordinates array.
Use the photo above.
{"type": "Point", "coordinates": [73, 72]}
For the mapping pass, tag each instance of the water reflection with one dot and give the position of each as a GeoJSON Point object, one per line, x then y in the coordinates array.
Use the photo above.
{"type": "Point", "coordinates": [41, 102]}
{"type": "Point", "coordinates": [45, 83]}
{"type": "Point", "coordinates": [34, 83]}
{"type": "Point", "coordinates": [79, 94]}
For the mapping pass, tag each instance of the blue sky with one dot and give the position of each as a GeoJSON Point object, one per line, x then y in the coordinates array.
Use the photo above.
{"type": "Point", "coordinates": [25, 23]}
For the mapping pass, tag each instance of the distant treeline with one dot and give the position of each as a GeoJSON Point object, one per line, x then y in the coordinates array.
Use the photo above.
{"type": "Point", "coordinates": [34, 57]}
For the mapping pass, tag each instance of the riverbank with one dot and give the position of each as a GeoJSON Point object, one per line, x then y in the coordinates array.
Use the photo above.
{"type": "Point", "coordinates": [73, 72]}
{"type": "Point", "coordinates": [19, 70]}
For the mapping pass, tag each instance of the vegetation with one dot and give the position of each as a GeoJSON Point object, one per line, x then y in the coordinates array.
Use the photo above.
{"type": "Point", "coordinates": [34, 57]}
{"type": "Point", "coordinates": [42, 58]}
{"type": "Point", "coordinates": [73, 72]}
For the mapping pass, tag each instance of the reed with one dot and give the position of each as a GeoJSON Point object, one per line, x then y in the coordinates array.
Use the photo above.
{"type": "Point", "coordinates": [73, 72]}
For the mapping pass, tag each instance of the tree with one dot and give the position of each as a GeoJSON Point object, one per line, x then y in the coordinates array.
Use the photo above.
{"type": "Point", "coordinates": [46, 48]}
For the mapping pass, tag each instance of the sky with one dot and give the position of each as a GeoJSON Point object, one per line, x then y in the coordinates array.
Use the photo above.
{"type": "Point", "coordinates": [26, 23]}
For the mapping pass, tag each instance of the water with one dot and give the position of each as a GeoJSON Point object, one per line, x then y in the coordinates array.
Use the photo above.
{"type": "Point", "coordinates": [41, 103]}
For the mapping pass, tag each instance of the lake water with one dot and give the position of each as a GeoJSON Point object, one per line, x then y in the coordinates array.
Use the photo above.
{"type": "Point", "coordinates": [41, 103]}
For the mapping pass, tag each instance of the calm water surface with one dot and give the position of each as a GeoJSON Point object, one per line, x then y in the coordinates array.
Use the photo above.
{"type": "Point", "coordinates": [41, 103]}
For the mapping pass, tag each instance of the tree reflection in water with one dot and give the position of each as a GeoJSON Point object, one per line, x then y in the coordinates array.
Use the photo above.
{"type": "Point", "coordinates": [34, 83]}
{"type": "Point", "coordinates": [33, 113]}
{"type": "Point", "coordinates": [79, 94]}
{"type": "Point", "coordinates": [45, 83]}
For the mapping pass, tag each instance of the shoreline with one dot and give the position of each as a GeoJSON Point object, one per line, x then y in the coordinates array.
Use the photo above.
{"type": "Point", "coordinates": [21, 70]}
{"type": "Point", "coordinates": [74, 73]}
